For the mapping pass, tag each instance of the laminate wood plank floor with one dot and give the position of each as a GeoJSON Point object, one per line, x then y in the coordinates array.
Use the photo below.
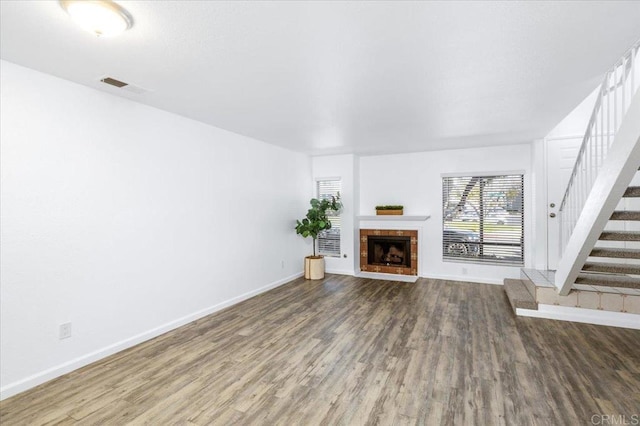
{"type": "Point", "coordinates": [350, 351]}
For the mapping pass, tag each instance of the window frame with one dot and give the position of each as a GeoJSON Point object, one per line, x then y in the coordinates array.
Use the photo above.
{"type": "Point", "coordinates": [336, 220]}
{"type": "Point", "coordinates": [500, 244]}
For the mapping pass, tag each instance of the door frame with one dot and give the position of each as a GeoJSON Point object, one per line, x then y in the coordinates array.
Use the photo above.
{"type": "Point", "coordinates": [545, 209]}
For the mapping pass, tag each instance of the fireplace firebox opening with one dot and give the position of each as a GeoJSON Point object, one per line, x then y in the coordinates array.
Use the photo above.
{"type": "Point", "coordinates": [389, 251]}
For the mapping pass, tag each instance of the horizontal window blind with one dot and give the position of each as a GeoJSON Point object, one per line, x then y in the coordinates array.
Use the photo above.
{"type": "Point", "coordinates": [483, 219]}
{"type": "Point", "coordinates": [329, 240]}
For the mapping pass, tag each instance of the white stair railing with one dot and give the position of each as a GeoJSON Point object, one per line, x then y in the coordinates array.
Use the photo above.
{"type": "Point", "coordinates": [616, 91]}
{"type": "Point", "coordinates": [617, 172]}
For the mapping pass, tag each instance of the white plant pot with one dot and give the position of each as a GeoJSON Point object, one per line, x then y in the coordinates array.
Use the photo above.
{"type": "Point", "coordinates": [314, 267]}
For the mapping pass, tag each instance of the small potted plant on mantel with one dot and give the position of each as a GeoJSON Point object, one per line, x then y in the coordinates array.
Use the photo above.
{"type": "Point", "coordinates": [389, 210]}
{"type": "Point", "coordinates": [315, 222]}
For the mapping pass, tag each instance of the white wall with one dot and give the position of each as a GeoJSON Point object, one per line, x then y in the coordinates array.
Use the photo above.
{"type": "Point", "coordinates": [128, 221]}
{"type": "Point", "coordinates": [343, 167]}
{"type": "Point", "coordinates": [575, 123]}
{"type": "Point", "coordinates": [415, 181]}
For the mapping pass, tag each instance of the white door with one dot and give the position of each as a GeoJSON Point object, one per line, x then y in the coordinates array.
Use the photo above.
{"type": "Point", "coordinates": [561, 156]}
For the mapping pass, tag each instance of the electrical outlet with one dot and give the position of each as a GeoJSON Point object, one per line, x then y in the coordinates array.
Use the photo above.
{"type": "Point", "coordinates": [65, 330]}
{"type": "Point", "coordinates": [464, 271]}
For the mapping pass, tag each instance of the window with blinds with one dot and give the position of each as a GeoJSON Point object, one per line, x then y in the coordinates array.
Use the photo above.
{"type": "Point", "coordinates": [329, 240]}
{"type": "Point", "coordinates": [483, 219]}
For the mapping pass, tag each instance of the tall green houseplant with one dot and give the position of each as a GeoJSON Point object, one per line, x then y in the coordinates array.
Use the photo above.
{"type": "Point", "coordinates": [316, 219]}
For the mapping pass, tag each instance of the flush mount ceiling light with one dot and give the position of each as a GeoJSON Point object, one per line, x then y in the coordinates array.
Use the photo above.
{"type": "Point", "coordinates": [100, 17]}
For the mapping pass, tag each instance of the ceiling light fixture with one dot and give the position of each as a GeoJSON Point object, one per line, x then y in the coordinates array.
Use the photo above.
{"type": "Point", "coordinates": [100, 17]}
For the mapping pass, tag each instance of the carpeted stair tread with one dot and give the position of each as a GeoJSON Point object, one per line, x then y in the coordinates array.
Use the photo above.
{"type": "Point", "coordinates": [620, 235]}
{"type": "Point", "coordinates": [519, 295]}
{"type": "Point", "coordinates": [608, 280]}
{"type": "Point", "coordinates": [625, 215]}
{"type": "Point", "coordinates": [613, 268]}
{"type": "Point", "coordinates": [632, 191]}
{"type": "Point", "coordinates": [530, 286]}
{"type": "Point", "coordinates": [615, 252]}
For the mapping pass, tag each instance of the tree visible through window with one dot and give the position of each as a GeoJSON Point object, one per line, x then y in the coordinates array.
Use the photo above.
{"type": "Point", "coordinates": [329, 240]}
{"type": "Point", "coordinates": [483, 219]}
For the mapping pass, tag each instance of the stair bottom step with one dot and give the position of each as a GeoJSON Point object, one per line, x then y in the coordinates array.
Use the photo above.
{"type": "Point", "coordinates": [519, 295]}
{"type": "Point", "coordinates": [582, 296]}
{"type": "Point", "coordinates": [614, 300]}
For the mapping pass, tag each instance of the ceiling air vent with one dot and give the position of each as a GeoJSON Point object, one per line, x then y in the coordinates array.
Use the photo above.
{"type": "Point", "coordinates": [124, 86]}
{"type": "Point", "coordinates": [114, 82]}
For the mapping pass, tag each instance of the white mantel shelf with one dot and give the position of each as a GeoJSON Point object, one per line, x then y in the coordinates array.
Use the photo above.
{"type": "Point", "coordinates": [395, 217]}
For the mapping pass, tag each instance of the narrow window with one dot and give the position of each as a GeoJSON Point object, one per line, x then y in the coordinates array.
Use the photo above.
{"type": "Point", "coordinates": [329, 240]}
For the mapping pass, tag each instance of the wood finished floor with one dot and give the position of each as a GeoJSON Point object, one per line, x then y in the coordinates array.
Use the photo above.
{"type": "Point", "coordinates": [348, 351]}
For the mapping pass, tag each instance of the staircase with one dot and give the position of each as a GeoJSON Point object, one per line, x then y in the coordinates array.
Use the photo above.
{"type": "Point", "coordinates": [598, 277]}
{"type": "Point", "coordinates": [615, 259]}
{"type": "Point", "coordinates": [606, 289]}
{"type": "Point", "coordinates": [609, 281]}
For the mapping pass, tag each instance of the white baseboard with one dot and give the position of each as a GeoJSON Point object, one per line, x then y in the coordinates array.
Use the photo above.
{"type": "Point", "coordinates": [340, 271]}
{"type": "Point", "coordinates": [588, 316]}
{"type": "Point", "coordinates": [81, 361]}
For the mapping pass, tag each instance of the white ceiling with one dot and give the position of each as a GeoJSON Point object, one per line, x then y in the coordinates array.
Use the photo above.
{"type": "Point", "coordinates": [343, 77]}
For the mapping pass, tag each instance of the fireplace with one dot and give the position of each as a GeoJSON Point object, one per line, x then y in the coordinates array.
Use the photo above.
{"type": "Point", "coordinates": [389, 251]}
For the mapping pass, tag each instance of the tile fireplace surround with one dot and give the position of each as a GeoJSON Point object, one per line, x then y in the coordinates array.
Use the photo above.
{"type": "Point", "coordinates": [389, 268]}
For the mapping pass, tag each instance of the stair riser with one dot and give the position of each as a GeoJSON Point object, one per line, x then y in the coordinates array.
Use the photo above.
{"type": "Point", "coordinates": [586, 299]}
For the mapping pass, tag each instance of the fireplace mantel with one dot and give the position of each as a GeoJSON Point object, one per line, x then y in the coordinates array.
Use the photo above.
{"type": "Point", "coordinates": [388, 218]}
